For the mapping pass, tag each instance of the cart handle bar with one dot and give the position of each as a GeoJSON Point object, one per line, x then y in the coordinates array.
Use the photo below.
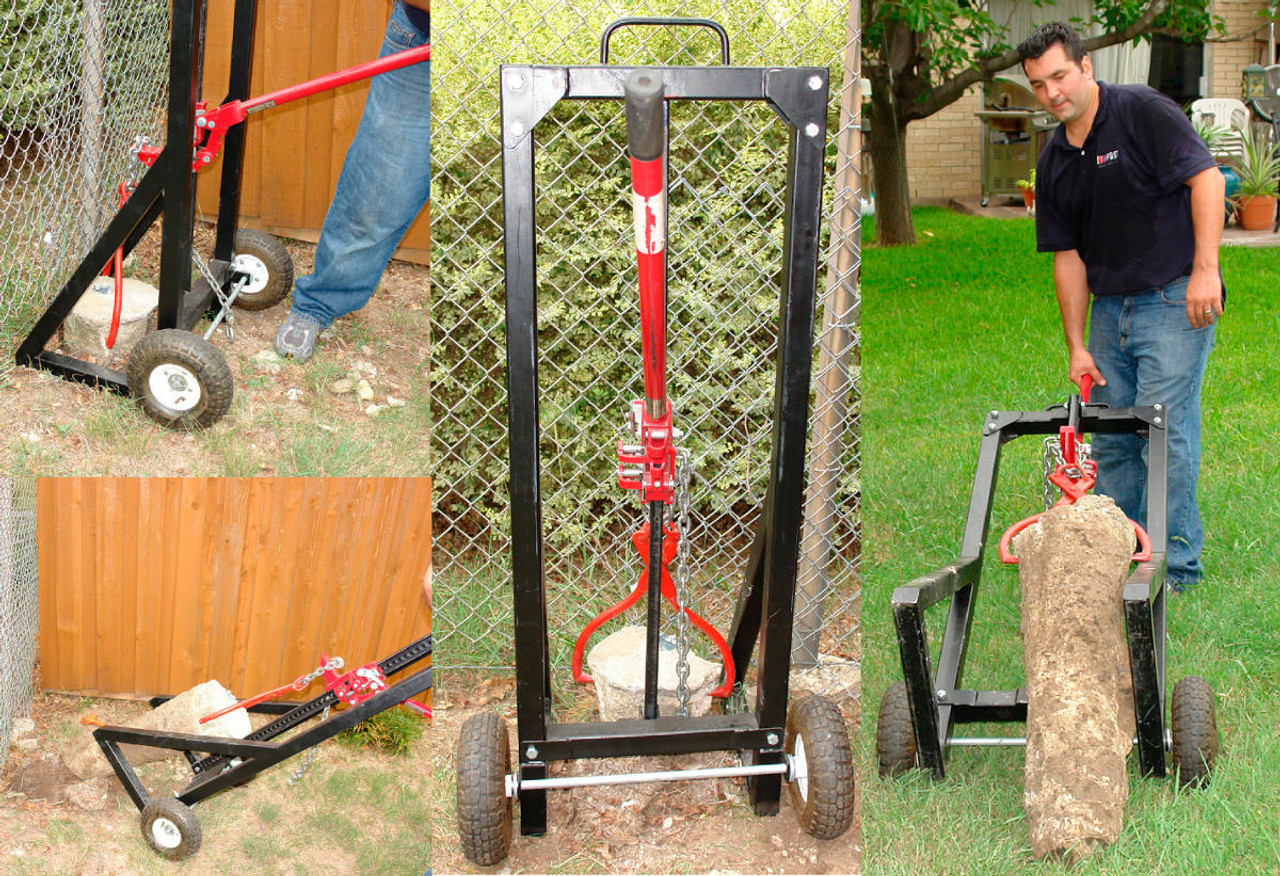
{"type": "Point", "coordinates": [666, 22]}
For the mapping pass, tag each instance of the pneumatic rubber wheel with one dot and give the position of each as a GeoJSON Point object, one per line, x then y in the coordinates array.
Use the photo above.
{"type": "Point", "coordinates": [180, 379]}
{"type": "Point", "coordinates": [1194, 731]}
{"type": "Point", "coordinates": [171, 828]}
{"type": "Point", "coordinates": [262, 258]}
{"type": "Point", "coordinates": [895, 737]}
{"type": "Point", "coordinates": [822, 789]}
{"type": "Point", "coordinates": [484, 810]}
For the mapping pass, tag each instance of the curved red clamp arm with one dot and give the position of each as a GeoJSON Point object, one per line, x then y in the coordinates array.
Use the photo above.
{"type": "Point", "coordinates": [1006, 555]}
{"type": "Point", "coordinates": [670, 542]}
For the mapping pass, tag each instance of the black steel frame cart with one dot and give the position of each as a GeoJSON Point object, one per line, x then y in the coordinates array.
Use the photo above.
{"type": "Point", "coordinates": [918, 715]}
{"type": "Point", "coordinates": [170, 825]}
{"type": "Point", "coordinates": [179, 377]}
{"type": "Point", "coordinates": [770, 748]}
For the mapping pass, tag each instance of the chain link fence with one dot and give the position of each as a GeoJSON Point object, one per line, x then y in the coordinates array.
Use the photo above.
{"type": "Point", "coordinates": [727, 164]}
{"type": "Point", "coordinates": [19, 611]}
{"type": "Point", "coordinates": [79, 80]}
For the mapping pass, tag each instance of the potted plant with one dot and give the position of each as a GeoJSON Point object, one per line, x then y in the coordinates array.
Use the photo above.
{"type": "Point", "coordinates": [1259, 169]}
{"type": "Point", "coordinates": [1216, 140]}
{"type": "Point", "coordinates": [1028, 187]}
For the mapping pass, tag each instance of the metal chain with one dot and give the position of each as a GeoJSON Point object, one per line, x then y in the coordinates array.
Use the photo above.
{"type": "Point", "coordinates": [1052, 459]}
{"type": "Point", "coordinates": [335, 664]}
{"type": "Point", "coordinates": [684, 473]}
{"type": "Point", "coordinates": [224, 300]}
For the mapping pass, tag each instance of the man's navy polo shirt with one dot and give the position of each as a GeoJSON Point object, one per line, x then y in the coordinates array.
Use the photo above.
{"type": "Point", "coordinates": [1121, 200]}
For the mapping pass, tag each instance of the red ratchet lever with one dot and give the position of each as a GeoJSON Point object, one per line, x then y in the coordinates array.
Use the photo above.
{"type": "Point", "coordinates": [212, 124]}
{"type": "Point", "coordinates": [1074, 478]}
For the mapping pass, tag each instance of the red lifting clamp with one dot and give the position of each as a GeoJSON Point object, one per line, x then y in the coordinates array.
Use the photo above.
{"type": "Point", "coordinates": [669, 545]}
{"type": "Point", "coordinates": [1074, 477]}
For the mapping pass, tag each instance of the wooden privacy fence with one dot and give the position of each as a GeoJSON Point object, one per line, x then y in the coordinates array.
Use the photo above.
{"type": "Point", "coordinates": [293, 153]}
{"type": "Point", "coordinates": [152, 585]}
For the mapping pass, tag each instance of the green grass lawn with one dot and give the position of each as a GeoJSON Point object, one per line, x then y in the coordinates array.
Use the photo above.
{"type": "Point", "coordinates": [964, 323]}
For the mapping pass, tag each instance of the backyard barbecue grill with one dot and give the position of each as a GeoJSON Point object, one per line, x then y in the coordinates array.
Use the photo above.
{"type": "Point", "coordinates": [1014, 131]}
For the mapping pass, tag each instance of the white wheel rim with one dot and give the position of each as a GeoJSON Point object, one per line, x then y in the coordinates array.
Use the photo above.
{"type": "Point", "coordinates": [165, 833]}
{"type": "Point", "coordinates": [174, 387]}
{"type": "Point", "coordinates": [255, 268]}
{"type": "Point", "coordinates": [802, 769]}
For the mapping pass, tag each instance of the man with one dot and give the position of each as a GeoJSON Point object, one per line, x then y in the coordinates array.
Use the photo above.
{"type": "Point", "coordinates": [384, 184]}
{"type": "Point", "coordinates": [1129, 200]}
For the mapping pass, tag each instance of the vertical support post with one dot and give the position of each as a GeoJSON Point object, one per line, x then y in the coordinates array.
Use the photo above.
{"type": "Point", "coordinates": [178, 180]}
{"type": "Point", "coordinates": [91, 75]}
{"type": "Point", "coordinates": [533, 666]}
{"type": "Point", "coordinates": [238, 82]}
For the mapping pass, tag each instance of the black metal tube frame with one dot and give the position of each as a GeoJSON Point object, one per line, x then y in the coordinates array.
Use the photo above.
{"type": "Point", "coordinates": [937, 702]}
{"type": "Point", "coordinates": [229, 761]}
{"type": "Point", "coordinates": [168, 188]}
{"type": "Point", "coordinates": [798, 96]}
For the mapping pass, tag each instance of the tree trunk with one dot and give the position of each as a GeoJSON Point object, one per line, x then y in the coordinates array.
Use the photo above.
{"type": "Point", "coordinates": [888, 142]}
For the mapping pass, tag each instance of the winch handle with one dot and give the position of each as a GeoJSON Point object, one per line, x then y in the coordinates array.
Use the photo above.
{"type": "Point", "coordinates": [665, 22]}
{"type": "Point", "coordinates": [1086, 386]}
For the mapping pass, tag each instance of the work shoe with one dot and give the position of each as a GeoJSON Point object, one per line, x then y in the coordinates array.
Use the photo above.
{"type": "Point", "coordinates": [296, 337]}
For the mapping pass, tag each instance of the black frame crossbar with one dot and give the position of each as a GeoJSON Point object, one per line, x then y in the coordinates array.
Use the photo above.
{"type": "Point", "coordinates": [937, 701]}
{"type": "Point", "coordinates": [799, 98]}
{"type": "Point", "coordinates": [168, 190]}
{"type": "Point", "coordinates": [218, 762]}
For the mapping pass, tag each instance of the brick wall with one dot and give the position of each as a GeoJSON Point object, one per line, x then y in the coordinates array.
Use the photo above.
{"type": "Point", "coordinates": [943, 161]}
{"type": "Point", "coordinates": [1227, 60]}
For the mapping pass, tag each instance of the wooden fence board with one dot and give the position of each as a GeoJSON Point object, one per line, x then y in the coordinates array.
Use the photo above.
{"type": "Point", "coordinates": [152, 585]}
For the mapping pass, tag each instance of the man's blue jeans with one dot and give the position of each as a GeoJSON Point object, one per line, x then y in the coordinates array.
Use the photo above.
{"type": "Point", "coordinates": [1150, 354]}
{"type": "Point", "coordinates": [385, 181]}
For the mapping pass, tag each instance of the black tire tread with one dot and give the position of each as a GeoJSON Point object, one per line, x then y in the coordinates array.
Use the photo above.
{"type": "Point", "coordinates": [272, 253]}
{"type": "Point", "coordinates": [895, 736]}
{"type": "Point", "coordinates": [196, 355]}
{"type": "Point", "coordinates": [181, 815]}
{"type": "Point", "coordinates": [1194, 729]}
{"type": "Point", "coordinates": [832, 786]}
{"type": "Point", "coordinates": [484, 811]}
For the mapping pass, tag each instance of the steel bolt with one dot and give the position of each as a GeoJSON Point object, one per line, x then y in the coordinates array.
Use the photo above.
{"type": "Point", "coordinates": [531, 752]}
{"type": "Point", "coordinates": [811, 129]}
{"type": "Point", "coordinates": [517, 129]}
{"type": "Point", "coordinates": [771, 738]}
{"type": "Point", "coordinates": [1158, 421]}
{"type": "Point", "coordinates": [941, 693]}
{"type": "Point", "coordinates": [515, 81]}
{"type": "Point", "coordinates": [815, 82]}
{"type": "Point", "coordinates": [1159, 407]}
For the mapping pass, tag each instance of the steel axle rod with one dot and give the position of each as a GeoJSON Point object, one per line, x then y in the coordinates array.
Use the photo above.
{"type": "Point", "coordinates": [514, 785]}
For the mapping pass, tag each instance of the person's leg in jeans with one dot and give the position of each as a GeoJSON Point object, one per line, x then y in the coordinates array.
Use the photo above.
{"type": "Point", "coordinates": [1151, 355]}
{"type": "Point", "coordinates": [1122, 471]}
{"type": "Point", "coordinates": [384, 183]}
{"type": "Point", "coordinates": [1172, 356]}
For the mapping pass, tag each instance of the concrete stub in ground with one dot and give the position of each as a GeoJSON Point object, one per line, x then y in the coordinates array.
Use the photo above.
{"type": "Point", "coordinates": [1080, 721]}
{"type": "Point", "coordinates": [617, 666]}
{"type": "Point", "coordinates": [90, 320]}
{"type": "Point", "coordinates": [181, 714]}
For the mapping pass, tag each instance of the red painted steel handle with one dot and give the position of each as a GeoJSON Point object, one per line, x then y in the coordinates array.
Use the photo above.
{"type": "Point", "coordinates": [1086, 386]}
{"type": "Point", "coordinates": [646, 143]}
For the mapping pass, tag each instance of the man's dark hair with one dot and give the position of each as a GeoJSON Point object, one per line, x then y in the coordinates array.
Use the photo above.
{"type": "Point", "coordinates": [1048, 35]}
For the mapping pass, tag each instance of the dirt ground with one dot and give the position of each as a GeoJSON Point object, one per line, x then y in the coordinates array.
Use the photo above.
{"type": "Point", "coordinates": [678, 827]}
{"type": "Point", "coordinates": [285, 418]}
{"type": "Point", "coordinates": [354, 811]}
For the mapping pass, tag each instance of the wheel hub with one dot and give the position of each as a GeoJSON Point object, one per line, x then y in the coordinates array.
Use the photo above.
{"type": "Point", "coordinates": [174, 386]}
{"type": "Point", "coordinates": [254, 269]}
{"type": "Point", "coordinates": [166, 833]}
{"type": "Point", "coordinates": [800, 765]}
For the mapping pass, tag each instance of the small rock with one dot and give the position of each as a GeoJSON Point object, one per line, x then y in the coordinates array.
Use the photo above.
{"type": "Point", "coordinates": [364, 390]}
{"type": "Point", "coordinates": [267, 361]}
{"type": "Point", "coordinates": [340, 387]}
{"type": "Point", "coordinates": [373, 410]}
{"type": "Point", "coordinates": [395, 402]}
{"type": "Point", "coordinates": [294, 394]}
{"type": "Point", "coordinates": [667, 822]}
{"type": "Point", "coordinates": [23, 726]}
